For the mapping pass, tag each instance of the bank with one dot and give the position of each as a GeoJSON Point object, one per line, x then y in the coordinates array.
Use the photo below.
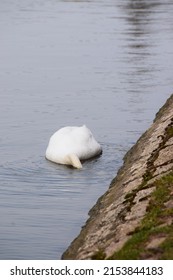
{"type": "Point", "coordinates": [134, 218]}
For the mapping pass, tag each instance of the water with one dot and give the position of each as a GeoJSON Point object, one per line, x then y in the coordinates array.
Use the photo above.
{"type": "Point", "coordinates": [106, 64]}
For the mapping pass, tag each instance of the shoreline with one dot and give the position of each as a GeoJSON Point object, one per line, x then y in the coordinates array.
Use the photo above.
{"type": "Point", "coordinates": [134, 218]}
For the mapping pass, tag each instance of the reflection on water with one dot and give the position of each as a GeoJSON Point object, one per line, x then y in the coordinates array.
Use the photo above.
{"type": "Point", "coordinates": [106, 64]}
{"type": "Point", "coordinates": [139, 47]}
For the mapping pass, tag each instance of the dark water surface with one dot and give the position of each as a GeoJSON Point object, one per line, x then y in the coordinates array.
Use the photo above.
{"type": "Point", "coordinates": [106, 64]}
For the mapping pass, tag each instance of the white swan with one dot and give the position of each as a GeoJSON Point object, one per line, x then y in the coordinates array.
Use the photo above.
{"type": "Point", "coordinates": [71, 144]}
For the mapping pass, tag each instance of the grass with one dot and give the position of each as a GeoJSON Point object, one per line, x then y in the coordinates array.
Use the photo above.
{"type": "Point", "coordinates": [152, 226]}
{"type": "Point", "coordinates": [99, 255]}
{"type": "Point", "coordinates": [155, 223]}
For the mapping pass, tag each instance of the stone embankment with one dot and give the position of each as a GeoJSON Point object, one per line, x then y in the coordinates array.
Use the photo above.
{"type": "Point", "coordinates": [134, 218]}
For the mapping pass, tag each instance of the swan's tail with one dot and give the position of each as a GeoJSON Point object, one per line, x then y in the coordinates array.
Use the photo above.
{"type": "Point", "coordinates": [74, 161]}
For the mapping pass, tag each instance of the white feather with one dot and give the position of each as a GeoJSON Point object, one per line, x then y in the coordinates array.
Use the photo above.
{"type": "Point", "coordinates": [71, 144]}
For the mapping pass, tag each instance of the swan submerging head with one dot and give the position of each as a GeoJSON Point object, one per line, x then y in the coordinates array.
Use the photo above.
{"type": "Point", "coordinates": [72, 144]}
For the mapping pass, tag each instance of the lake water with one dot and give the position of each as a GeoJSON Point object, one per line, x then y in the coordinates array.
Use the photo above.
{"type": "Point", "coordinates": [104, 63]}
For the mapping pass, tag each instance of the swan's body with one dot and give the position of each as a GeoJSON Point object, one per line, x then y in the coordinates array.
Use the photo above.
{"type": "Point", "coordinates": [71, 144]}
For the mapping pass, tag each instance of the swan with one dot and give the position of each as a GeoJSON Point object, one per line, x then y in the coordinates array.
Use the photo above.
{"type": "Point", "coordinates": [69, 145]}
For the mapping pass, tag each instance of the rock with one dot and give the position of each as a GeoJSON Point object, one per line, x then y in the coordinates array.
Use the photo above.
{"type": "Point", "coordinates": [154, 243]}
{"type": "Point", "coordinates": [120, 212]}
